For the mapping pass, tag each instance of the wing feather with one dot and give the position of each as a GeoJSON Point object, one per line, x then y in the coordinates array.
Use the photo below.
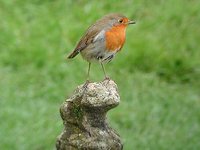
{"type": "Point", "coordinates": [84, 41]}
{"type": "Point", "coordinates": [89, 36]}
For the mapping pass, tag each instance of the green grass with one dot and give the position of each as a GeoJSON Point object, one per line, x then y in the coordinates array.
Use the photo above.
{"type": "Point", "coordinates": [157, 72]}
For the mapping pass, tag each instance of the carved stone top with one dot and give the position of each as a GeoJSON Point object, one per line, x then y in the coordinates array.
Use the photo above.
{"type": "Point", "coordinates": [84, 118]}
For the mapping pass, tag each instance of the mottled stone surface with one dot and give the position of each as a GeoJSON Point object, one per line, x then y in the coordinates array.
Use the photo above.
{"type": "Point", "coordinates": [84, 118]}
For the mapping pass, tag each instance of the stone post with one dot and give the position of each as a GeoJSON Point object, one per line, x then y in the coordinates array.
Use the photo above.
{"type": "Point", "coordinates": [84, 118]}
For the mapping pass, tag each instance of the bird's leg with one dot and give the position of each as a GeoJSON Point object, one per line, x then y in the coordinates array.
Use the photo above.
{"type": "Point", "coordinates": [88, 73]}
{"type": "Point", "coordinates": [88, 76]}
{"type": "Point", "coordinates": [104, 71]}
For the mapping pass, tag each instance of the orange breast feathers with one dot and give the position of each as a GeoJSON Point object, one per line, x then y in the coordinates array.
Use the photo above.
{"type": "Point", "coordinates": [115, 38]}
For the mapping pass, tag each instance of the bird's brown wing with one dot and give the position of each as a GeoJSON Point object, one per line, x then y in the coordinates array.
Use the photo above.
{"type": "Point", "coordinates": [85, 41]}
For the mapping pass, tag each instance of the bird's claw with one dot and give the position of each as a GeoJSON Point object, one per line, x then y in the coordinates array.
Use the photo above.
{"type": "Point", "coordinates": [86, 84]}
{"type": "Point", "coordinates": [107, 78]}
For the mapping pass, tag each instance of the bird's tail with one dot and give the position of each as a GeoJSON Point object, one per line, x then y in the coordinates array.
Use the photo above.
{"type": "Point", "coordinates": [72, 55]}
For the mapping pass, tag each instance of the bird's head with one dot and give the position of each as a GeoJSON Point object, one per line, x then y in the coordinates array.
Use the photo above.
{"type": "Point", "coordinates": [118, 20]}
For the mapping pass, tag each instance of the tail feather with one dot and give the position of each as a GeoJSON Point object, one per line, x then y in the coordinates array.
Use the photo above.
{"type": "Point", "coordinates": [72, 55]}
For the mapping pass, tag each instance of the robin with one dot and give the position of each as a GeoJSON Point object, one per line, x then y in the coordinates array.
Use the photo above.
{"type": "Point", "coordinates": [103, 40]}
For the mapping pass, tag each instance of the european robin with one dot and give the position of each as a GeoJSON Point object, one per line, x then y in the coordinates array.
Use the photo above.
{"type": "Point", "coordinates": [103, 40]}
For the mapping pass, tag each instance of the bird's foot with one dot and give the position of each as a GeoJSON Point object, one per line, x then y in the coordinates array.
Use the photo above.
{"type": "Point", "coordinates": [86, 84]}
{"type": "Point", "coordinates": [106, 79]}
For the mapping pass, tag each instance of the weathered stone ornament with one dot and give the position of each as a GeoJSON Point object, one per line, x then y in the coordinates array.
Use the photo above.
{"type": "Point", "coordinates": [84, 118]}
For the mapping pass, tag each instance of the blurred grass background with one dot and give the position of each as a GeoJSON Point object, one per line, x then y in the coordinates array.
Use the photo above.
{"type": "Point", "coordinates": [157, 72]}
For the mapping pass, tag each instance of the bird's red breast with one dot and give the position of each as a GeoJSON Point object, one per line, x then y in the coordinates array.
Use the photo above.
{"type": "Point", "coordinates": [115, 38]}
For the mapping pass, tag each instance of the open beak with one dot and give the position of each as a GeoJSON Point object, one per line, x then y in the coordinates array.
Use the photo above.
{"type": "Point", "coordinates": [131, 22]}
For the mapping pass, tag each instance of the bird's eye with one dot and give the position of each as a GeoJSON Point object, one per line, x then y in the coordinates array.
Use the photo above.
{"type": "Point", "coordinates": [121, 21]}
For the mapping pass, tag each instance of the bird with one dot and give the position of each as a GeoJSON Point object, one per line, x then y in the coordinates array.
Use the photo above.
{"type": "Point", "coordinates": [102, 40]}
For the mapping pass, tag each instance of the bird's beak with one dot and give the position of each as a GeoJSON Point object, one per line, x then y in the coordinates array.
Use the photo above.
{"type": "Point", "coordinates": [131, 22]}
